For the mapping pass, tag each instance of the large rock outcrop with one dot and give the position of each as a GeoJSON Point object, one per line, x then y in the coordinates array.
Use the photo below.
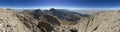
{"type": "Point", "coordinates": [10, 23]}
{"type": "Point", "coordinates": [101, 22]}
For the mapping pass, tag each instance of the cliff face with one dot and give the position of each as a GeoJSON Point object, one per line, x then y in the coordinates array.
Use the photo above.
{"type": "Point", "coordinates": [101, 22]}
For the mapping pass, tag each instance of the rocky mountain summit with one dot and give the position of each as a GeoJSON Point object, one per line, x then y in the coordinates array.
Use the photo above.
{"type": "Point", "coordinates": [51, 21]}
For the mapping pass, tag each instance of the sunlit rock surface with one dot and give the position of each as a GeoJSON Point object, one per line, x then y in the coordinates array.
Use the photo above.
{"type": "Point", "coordinates": [10, 23]}
{"type": "Point", "coordinates": [101, 22]}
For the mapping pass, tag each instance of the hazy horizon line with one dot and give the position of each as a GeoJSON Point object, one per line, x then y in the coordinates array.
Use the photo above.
{"type": "Point", "coordinates": [46, 8]}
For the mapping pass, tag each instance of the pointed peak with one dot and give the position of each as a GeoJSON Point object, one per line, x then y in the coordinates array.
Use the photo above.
{"type": "Point", "coordinates": [52, 9]}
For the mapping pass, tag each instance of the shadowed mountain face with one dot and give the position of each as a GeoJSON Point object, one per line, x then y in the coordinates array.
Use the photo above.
{"type": "Point", "coordinates": [38, 21]}
{"type": "Point", "coordinates": [65, 15]}
{"type": "Point", "coordinates": [46, 20]}
{"type": "Point", "coordinates": [40, 16]}
{"type": "Point", "coordinates": [61, 14]}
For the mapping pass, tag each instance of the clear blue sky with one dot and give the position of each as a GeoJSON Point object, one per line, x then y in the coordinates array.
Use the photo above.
{"type": "Point", "coordinates": [60, 3]}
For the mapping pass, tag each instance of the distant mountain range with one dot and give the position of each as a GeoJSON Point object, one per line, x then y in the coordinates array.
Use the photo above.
{"type": "Point", "coordinates": [62, 14]}
{"type": "Point", "coordinates": [65, 15]}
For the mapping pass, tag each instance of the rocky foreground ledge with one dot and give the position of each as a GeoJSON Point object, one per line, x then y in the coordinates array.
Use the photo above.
{"type": "Point", "coordinates": [37, 21]}
{"type": "Point", "coordinates": [101, 22]}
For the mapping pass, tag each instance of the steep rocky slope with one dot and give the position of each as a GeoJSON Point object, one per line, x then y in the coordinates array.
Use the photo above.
{"type": "Point", "coordinates": [35, 21]}
{"type": "Point", "coordinates": [101, 22]}
{"type": "Point", "coordinates": [10, 23]}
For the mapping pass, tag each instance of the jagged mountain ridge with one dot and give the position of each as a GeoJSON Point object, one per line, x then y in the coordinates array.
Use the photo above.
{"type": "Point", "coordinates": [61, 14]}
{"type": "Point", "coordinates": [66, 15]}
